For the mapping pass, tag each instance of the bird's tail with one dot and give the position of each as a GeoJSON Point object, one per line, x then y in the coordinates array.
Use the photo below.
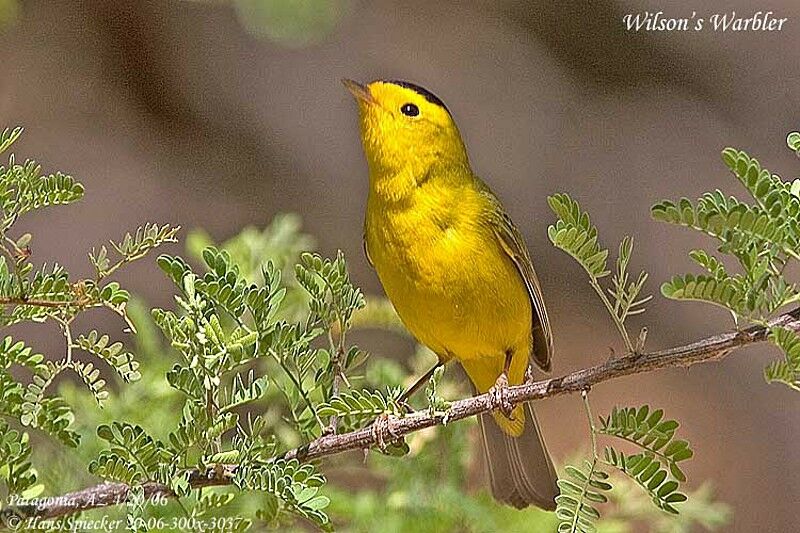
{"type": "Point", "coordinates": [520, 469]}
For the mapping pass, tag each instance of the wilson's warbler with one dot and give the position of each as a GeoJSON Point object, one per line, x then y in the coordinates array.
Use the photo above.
{"type": "Point", "coordinates": [456, 270]}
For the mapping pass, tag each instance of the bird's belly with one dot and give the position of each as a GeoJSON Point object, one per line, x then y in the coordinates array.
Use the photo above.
{"type": "Point", "coordinates": [456, 291]}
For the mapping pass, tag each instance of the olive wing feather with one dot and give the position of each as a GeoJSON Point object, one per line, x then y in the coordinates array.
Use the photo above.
{"type": "Point", "coordinates": [513, 244]}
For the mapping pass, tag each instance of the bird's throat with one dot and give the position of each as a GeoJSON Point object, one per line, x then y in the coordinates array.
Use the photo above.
{"type": "Point", "coordinates": [398, 186]}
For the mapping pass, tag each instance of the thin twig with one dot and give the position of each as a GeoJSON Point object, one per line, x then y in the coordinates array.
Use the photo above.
{"type": "Point", "coordinates": [15, 300]}
{"type": "Point", "coordinates": [337, 353]}
{"type": "Point", "coordinates": [590, 417]}
{"type": "Point", "coordinates": [298, 385]}
{"type": "Point", "coordinates": [705, 350]}
{"type": "Point", "coordinates": [70, 345]}
{"type": "Point", "coordinates": [613, 312]}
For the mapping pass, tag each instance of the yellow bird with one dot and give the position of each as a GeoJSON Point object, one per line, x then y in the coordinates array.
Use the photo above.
{"type": "Point", "coordinates": [456, 270]}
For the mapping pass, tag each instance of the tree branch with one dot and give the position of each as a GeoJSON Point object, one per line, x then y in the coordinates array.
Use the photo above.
{"type": "Point", "coordinates": [16, 300]}
{"type": "Point", "coordinates": [711, 348]}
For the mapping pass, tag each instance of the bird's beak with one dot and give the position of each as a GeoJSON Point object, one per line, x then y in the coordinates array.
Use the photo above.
{"type": "Point", "coordinates": [361, 92]}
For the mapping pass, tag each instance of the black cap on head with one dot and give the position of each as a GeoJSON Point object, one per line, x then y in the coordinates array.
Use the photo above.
{"type": "Point", "coordinates": [422, 91]}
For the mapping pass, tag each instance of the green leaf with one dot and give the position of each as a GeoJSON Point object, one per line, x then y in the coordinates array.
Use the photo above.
{"type": "Point", "coordinates": [8, 136]}
{"type": "Point", "coordinates": [334, 298]}
{"type": "Point", "coordinates": [23, 189]}
{"type": "Point", "coordinates": [762, 235]}
{"type": "Point", "coordinates": [580, 488]}
{"type": "Point", "coordinates": [575, 234]}
{"type": "Point", "coordinates": [625, 292]}
{"type": "Point", "coordinates": [91, 377]}
{"type": "Point", "coordinates": [357, 407]}
{"type": "Point", "coordinates": [656, 469]}
{"type": "Point", "coordinates": [113, 354]}
{"type": "Point", "coordinates": [710, 263]}
{"type": "Point", "coordinates": [646, 471]}
{"type": "Point", "coordinates": [788, 370]}
{"type": "Point", "coordinates": [792, 140]}
{"type": "Point", "coordinates": [133, 456]}
{"type": "Point", "coordinates": [186, 380]}
{"type": "Point", "coordinates": [145, 238]}
{"type": "Point", "coordinates": [17, 353]}
{"type": "Point", "coordinates": [212, 502]}
{"type": "Point", "coordinates": [293, 483]}
{"type": "Point", "coordinates": [244, 391]}
{"type": "Point", "coordinates": [16, 472]}
{"type": "Point", "coordinates": [734, 223]}
{"type": "Point", "coordinates": [650, 432]}
{"type": "Point", "coordinates": [726, 292]}
{"type": "Point", "coordinates": [135, 508]}
{"type": "Point", "coordinates": [771, 192]}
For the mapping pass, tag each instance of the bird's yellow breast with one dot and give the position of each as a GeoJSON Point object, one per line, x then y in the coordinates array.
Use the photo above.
{"type": "Point", "coordinates": [450, 281]}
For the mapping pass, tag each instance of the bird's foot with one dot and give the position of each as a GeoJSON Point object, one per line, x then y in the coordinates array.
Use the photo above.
{"type": "Point", "coordinates": [499, 395]}
{"type": "Point", "coordinates": [383, 431]}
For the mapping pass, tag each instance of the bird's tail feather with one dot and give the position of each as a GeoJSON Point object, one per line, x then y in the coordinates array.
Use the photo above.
{"type": "Point", "coordinates": [520, 469]}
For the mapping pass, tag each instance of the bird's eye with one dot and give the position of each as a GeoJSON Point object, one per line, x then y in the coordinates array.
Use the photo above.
{"type": "Point", "coordinates": [409, 110]}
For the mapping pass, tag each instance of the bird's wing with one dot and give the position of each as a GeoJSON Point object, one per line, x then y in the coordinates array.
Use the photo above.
{"type": "Point", "coordinates": [513, 244]}
{"type": "Point", "coordinates": [366, 250]}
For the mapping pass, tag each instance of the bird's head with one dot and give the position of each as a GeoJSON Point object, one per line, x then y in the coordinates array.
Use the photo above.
{"type": "Point", "coordinates": [405, 127]}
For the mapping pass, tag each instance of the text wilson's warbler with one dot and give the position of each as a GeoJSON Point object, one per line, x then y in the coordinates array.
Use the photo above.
{"type": "Point", "coordinates": [456, 270]}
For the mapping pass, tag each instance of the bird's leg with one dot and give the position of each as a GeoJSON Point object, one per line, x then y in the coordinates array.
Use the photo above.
{"type": "Point", "coordinates": [499, 391]}
{"type": "Point", "coordinates": [419, 383]}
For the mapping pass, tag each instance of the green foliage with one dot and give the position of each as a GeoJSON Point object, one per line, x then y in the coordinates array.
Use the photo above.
{"type": "Point", "coordinates": [23, 188]}
{"type": "Point", "coordinates": [133, 456]}
{"type": "Point", "coordinates": [8, 136]}
{"type": "Point", "coordinates": [114, 354]}
{"type": "Point", "coordinates": [91, 378]}
{"type": "Point", "coordinates": [574, 233]}
{"type": "Point", "coordinates": [655, 469]}
{"type": "Point", "coordinates": [793, 141]}
{"type": "Point", "coordinates": [580, 488]}
{"type": "Point", "coordinates": [358, 407]}
{"type": "Point", "coordinates": [236, 348]}
{"type": "Point", "coordinates": [651, 432]}
{"type": "Point", "coordinates": [433, 488]}
{"type": "Point", "coordinates": [700, 512]}
{"type": "Point", "coordinates": [279, 244]}
{"type": "Point", "coordinates": [762, 236]}
{"type": "Point", "coordinates": [48, 294]}
{"type": "Point", "coordinates": [649, 474]}
{"type": "Point", "coordinates": [624, 291]}
{"type": "Point", "coordinates": [132, 247]}
{"type": "Point", "coordinates": [333, 298]}
{"type": "Point", "coordinates": [244, 391]}
{"type": "Point", "coordinates": [294, 484]}
{"type": "Point", "coordinates": [788, 370]}
{"type": "Point", "coordinates": [16, 471]}
{"type": "Point", "coordinates": [135, 506]}
{"type": "Point", "coordinates": [722, 290]}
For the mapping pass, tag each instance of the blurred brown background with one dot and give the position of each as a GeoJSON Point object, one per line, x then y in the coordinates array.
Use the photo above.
{"type": "Point", "coordinates": [220, 114]}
